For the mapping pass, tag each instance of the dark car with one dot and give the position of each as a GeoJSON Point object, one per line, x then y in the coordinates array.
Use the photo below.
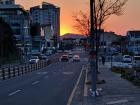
{"type": "Point", "coordinates": [64, 58]}
{"type": "Point", "coordinates": [43, 57]}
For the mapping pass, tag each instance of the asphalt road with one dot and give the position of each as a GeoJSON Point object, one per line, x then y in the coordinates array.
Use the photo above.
{"type": "Point", "coordinates": [52, 85]}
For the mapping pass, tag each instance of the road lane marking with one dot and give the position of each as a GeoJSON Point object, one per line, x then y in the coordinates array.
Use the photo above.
{"type": "Point", "coordinates": [13, 93]}
{"type": "Point", "coordinates": [67, 73]}
{"type": "Point", "coordinates": [42, 73]}
{"type": "Point", "coordinates": [85, 86]}
{"type": "Point", "coordinates": [75, 87]}
{"type": "Point", "coordinates": [117, 102]}
{"type": "Point", "coordinates": [36, 82]}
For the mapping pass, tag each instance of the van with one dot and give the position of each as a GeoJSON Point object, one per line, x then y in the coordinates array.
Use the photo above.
{"type": "Point", "coordinates": [136, 61]}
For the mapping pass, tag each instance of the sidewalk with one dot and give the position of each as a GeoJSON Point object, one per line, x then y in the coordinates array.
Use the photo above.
{"type": "Point", "coordinates": [116, 91]}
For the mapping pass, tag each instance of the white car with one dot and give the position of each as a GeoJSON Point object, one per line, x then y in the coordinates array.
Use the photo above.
{"type": "Point", "coordinates": [127, 64]}
{"type": "Point", "coordinates": [127, 58]}
{"type": "Point", "coordinates": [34, 59]}
{"type": "Point", "coordinates": [70, 54]}
{"type": "Point", "coordinates": [76, 58]}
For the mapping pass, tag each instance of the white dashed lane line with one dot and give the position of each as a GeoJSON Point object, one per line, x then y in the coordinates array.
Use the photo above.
{"type": "Point", "coordinates": [36, 82]}
{"type": "Point", "coordinates": [13, 93]}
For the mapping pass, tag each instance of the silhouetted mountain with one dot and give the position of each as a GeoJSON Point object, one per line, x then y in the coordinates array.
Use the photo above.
{"type": "Point", "coordinates": [70, 35]}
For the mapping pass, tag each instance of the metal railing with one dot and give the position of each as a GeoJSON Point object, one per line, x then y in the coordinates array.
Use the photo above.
{"type": "Point", "coordinates": [13, 71]}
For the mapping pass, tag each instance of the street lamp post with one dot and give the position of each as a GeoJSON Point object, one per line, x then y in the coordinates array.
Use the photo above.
{"type": "Point", "coordinates": [93, 50]}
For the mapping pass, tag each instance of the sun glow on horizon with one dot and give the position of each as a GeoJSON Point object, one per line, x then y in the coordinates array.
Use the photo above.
{"type": "Point", "coordinates": [64, 30]}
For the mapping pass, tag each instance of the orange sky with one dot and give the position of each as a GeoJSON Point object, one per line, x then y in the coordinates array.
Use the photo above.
{"type": "Point", "coordinates": [129, 21]}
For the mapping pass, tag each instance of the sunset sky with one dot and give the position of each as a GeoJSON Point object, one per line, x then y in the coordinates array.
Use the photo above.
{"type": "Point", "coordinates": [129, 21]}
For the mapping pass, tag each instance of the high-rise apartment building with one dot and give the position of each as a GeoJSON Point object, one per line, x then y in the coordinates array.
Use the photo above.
{"type": "Point", "coordinates": [18, 19]}
{"type": "Point", "coordinates": [47, 15]}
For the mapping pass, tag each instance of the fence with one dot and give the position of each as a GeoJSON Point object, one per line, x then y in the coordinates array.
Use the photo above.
{"type": "Point", "coordinates": [9, 72]}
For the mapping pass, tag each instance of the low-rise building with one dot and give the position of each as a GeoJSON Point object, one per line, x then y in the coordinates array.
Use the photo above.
{"type": "Point", "coordinates": [107, 43]}
{"type": "Point", "coordinates": [133, 38]}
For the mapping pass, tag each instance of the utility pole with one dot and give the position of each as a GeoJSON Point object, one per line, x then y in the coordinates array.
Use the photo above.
{"type": "Point", "coordinates": [92, 50]}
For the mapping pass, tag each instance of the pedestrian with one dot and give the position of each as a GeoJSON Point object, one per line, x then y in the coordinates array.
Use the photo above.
{"type": "Point", "coordinates": [103, 60]}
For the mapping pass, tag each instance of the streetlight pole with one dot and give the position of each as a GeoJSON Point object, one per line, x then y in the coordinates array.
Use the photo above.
{"type": "Point", "coordinates": [93, 50]}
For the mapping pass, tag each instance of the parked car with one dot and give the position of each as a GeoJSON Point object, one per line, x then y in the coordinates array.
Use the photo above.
{"type": "Point", "coordinates": [136, 61]}
{"type": "Point", "coordinates": [43, 57]}
{"type": "Point", "coordinates": [76, 58]}
{"type": "Point", "coordinates": [127, 64]}
{"type": "Point", "coordinates": [127, 58]}
{"type": "Point", "coordinates": [34, 59]}
{"type": "Point", "coordinates": [64, 58]}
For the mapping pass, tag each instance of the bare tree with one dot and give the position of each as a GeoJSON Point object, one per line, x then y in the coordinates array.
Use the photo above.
{"type": "Point", "coordinates": [82, 23]}
{"type": "Point", "coordinates": [103, 10]}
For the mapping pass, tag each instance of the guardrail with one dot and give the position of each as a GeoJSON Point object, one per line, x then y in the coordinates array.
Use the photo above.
{"type": "Point", "coordinates": [9, 72]}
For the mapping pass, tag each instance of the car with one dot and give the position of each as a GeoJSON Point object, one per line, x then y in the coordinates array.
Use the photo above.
{"type": "Point", "coordinates": [66, 51]}
{"type": "Point", "coordinates": [76, 58]}
{"type": "Point", "coordinates": [43, 57]}
{"type": "Point", "coordinates": [127, 58]}
{"type": "Point", "coordinates": [127, 64]}
{"type": "Point", "coordinates": [47, 54]}
{"type": "Point", "coordinates": [70, 54]}
{"type": "Point", "coordinates": [64, 58]}
{"type": "Point", "coordinates": [34, 59]}
{"type": "Point", "coordinates": [127, 61]}
{"type": "Point", "coordinates": [59, 51]}
{"type": "Point", "coordinates": [50, 52]}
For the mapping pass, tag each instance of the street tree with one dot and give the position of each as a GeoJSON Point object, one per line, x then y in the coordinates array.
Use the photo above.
{"type": "Point", "coordinates": [103, 9]}
{"type": "Point", "coordinates": [7, 41]}
{"type": "Point", "coordinates": [82, 22]}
